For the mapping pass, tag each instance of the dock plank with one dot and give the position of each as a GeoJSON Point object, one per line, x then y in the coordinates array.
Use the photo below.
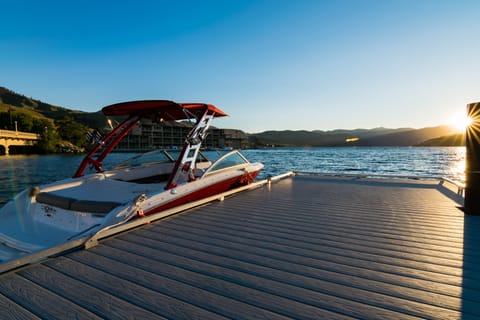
{"type": "Point", "coordinates": [414, 255]}
{"type": "Point", "coordinates": [90, 298]}
{"type": "Point", "coordinates": [346, 256]}
{"type": "Point", "coordinates": [153, 301]}
{"type": "Point", "coordinates": [180, 290]}
{"type": "Point", "coordinates": [250, 289]}
{"type": "Point", "coordinates": [331, 222]}
{"type": "Point", "coordinates": [281, 270]}
{"type": "Point", "coordinates": [280, 259]}
{"type": "Point", "coordinates": [40, 301]}
{"type": "Point", "coordinates": [350, 288]}
{"type": "Point", "coordinates": [11, 310]}
{"type": "Point", "coordinates": [304, 248]}
{"type": "Point", "coordinates": [332, 241]}
{"type": "Point", "coordinates": [309, 234]}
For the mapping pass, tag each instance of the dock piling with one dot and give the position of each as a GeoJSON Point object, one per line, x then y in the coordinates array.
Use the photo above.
{"type": "Point", "coordinates": [472, 166]}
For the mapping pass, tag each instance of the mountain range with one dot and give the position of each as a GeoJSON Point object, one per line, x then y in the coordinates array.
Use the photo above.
{"type": "Point", "coordinates": [359, 137]}
{"type": "Point", "coordinates": [432, 136]}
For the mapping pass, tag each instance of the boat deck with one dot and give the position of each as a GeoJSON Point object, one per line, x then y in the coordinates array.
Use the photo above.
{"type": "Point", "coordinates": [306, 248]}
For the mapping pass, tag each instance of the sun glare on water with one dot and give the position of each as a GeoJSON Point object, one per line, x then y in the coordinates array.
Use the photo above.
{"type": "Point", "coordinates": [460, 121]}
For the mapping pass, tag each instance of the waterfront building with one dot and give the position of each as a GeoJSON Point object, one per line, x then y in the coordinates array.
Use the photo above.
{"type": "Point", "coordinates": [171, 134]}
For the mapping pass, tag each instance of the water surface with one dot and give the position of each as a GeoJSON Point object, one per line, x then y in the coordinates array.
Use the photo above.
{"type": "Point", "coordinates": [20, 172]}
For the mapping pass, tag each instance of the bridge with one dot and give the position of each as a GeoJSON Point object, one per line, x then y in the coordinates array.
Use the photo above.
{"type": "Point", "coordinates": [16, 138]}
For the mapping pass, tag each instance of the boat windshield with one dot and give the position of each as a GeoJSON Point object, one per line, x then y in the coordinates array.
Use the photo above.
{"type": "Point", "coordinates": [215, 154]}
{"type": "Point", "coordinates": [230, 160]}
{"type": "Point", "coordinates": [156, 156]}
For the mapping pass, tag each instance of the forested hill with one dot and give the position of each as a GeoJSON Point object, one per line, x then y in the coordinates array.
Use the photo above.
{"type": "Point", "coordinates": [10, 100]}
{"type": "Point", "coordinates": [452, 140]}
{"type": "Point", "coordinates": [59, 127]}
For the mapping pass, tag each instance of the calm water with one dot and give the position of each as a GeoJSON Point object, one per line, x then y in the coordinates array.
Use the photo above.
{"type": "Point", "coordinates": [19, 172]}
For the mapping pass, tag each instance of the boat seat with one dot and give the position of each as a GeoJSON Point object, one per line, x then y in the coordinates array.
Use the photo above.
{"type": "Point", "coordinates": [98, 207]}
{"type": "Point", "coordinates": [54, 200]}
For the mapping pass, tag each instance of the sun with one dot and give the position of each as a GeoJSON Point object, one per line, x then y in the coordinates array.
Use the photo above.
{"type": "Point", "coordinates": [460, 121]}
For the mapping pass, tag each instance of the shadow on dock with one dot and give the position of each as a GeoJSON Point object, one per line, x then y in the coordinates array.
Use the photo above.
{"type": "Point", "coordinates": [471, 265]}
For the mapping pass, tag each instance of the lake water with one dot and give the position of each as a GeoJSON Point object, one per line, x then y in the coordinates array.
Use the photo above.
{"type": "Point", "coordinates": [20, 172]}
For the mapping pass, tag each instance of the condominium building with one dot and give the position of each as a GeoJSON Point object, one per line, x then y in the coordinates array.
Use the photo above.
{"type": "Point", "coordinates": [171, 134]}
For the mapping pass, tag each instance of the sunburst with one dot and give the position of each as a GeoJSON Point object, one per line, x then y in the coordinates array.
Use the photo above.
{"type": "Point", "coordinates": [460, 121]}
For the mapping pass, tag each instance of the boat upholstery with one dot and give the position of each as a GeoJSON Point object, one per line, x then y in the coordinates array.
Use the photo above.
{"type": "Point", "coordinates": [67, 203]}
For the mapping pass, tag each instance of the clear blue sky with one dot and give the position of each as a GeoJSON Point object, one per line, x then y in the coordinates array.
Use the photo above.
{"type": "Point", "coordinates": [272, 64]}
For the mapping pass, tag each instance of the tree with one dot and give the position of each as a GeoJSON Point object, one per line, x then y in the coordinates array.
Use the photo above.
{"type": "Point", "coordinates": [72, 131]}
{"type": "Point", "coordinates": [23, 121]}
{"type": "Point", "coordinates": [49, 136]}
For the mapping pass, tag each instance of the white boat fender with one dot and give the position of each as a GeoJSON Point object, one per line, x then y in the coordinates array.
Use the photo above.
{"type": "Point", "coordinates": [33, 191]}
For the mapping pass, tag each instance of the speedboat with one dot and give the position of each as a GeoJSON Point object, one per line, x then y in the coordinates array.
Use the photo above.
{"type": "Point", "coordinates": [44, 216]}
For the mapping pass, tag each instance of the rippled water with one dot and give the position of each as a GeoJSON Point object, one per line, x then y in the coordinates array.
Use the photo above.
{"type": "Point", "coordinates": [19, 172]}
{"type": "Point", "coordinates": [437, 162]}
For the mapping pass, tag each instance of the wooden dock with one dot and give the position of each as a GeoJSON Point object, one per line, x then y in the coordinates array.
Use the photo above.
{"type": "Point", "coordinates": [306, 248]}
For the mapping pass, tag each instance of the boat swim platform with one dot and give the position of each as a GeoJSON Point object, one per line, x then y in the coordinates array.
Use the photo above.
{"type": "Point", "coordinates": [304, 247]}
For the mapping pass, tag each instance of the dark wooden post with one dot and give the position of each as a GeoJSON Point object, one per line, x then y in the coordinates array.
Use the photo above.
{"type": "Point", "coordinates": [472, 167]}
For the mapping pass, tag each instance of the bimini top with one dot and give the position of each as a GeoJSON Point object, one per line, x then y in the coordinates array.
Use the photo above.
{"type": "Point", "coordinates": [167, 110]}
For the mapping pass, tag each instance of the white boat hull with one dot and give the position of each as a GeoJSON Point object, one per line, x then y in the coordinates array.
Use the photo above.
{"type": "Point", "coordinates": [52, 216]}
